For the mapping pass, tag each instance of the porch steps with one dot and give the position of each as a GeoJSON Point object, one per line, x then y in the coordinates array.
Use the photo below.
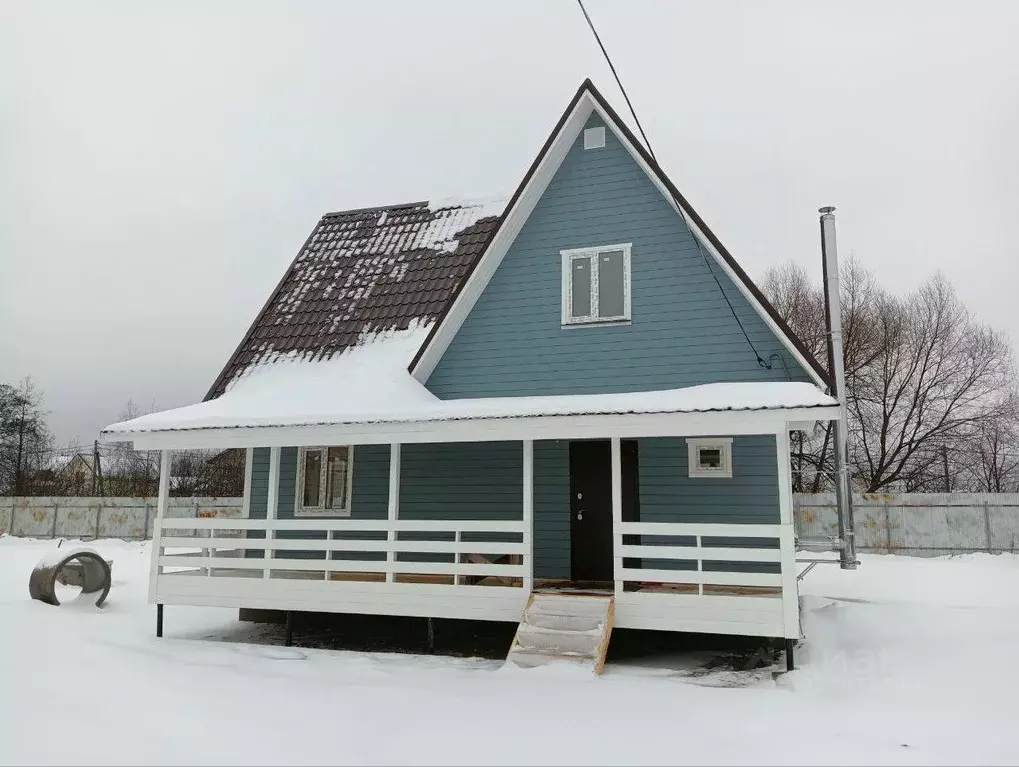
{"type": "Point", "coordinates": [568, 628]}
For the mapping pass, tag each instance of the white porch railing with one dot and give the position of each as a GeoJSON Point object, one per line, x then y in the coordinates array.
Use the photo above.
{"type": "Point", "coordinates": [222, 546]}
{"type": "Point", "coordinates": [681, 549]}
{"type": "Point", "coordinates": [705, 600]}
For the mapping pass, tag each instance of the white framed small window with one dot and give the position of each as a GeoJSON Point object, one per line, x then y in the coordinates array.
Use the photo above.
{"type": "Point", "coordinates": [710, 456]}
{"type": "Point", "coordinates": [324, 481]}
{"type": "Point", "coordinates": [594, 138]}
{"type": "Point", "coordinates": [596, 284]}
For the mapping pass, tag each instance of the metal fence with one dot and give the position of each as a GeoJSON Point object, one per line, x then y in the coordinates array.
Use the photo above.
{"type": "Point", "coordinates": [919, 524]}
{"type": "Point", "coordinates": [87, 518]}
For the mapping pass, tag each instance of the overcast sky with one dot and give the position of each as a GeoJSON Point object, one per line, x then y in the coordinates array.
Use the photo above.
{"type": "Point", "coordinates": [161, 163]}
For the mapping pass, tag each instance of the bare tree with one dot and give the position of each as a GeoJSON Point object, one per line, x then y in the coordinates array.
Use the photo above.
{"type": "Point", "coordinates": [921, 374]}
{"type": "Point", "coordinates": [25, 442]}
{"type": "Point", "coordinates": [937, 375]}
{"type": "Point", "coordinates": [988, 460]}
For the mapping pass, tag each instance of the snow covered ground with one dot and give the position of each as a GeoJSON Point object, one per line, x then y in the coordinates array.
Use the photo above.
{"type": "Point", "coordinates": [907, 661]}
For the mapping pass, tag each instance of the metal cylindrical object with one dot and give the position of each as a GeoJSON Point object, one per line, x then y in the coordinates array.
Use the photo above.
{"type": "Point", "coordinates": [836, 363]}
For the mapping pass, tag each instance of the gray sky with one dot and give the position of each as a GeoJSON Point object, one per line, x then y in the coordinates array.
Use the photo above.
{"type": "Point", "coordinates": [161, 163]}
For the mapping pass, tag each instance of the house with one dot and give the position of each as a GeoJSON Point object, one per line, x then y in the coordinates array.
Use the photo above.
{"type": "Point", "coordinates": [67, 474]}
{"type": "Point", "coordinates": [450, 407]}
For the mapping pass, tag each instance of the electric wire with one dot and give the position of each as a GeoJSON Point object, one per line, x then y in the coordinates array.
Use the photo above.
{"type": "Point", "coordinates": [760, 360]}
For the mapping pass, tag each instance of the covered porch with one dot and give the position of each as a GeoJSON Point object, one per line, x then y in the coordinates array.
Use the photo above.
{"type": "Point", "coordinates": [522, 528]}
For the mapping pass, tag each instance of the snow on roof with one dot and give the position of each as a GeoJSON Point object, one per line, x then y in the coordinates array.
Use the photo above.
{"type": "Point", "coordinates": [366, 271]}
{"type": "Point", "coordinates": [369, 383]}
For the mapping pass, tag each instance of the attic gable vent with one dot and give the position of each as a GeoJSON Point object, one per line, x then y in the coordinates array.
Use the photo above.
{"type": "Point", "coordinates": [594, 138]}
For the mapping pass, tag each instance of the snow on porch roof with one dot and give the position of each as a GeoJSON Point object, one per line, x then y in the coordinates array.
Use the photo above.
{"type": "Point", "coordinates": [368, 383]}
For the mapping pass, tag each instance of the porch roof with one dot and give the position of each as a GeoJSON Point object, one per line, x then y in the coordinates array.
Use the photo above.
{"type": "Point", "coordinates": [369, 384]}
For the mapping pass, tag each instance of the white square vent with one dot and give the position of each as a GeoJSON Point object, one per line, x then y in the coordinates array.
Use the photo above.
{"type": "Point", "coordinates": [594, 138]}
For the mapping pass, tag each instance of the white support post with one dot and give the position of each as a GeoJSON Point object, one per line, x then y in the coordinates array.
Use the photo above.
{"type": "Point", "coordinates": [700, 562]}
{"type": "Point", "coordinates": [249, 460]}
{"type": "Point", "coordinates": [163, 500]}
{"type": "Point", "coordinates": [528, 514]}
{"type": "Point", "coordinates": [787, 538]}
{"type": "Point", "coordinates": [394, 507]}
{"type": "Point", "coordinates": [272, 505]}
{"type": "Point", "coordinates": [617, 512]}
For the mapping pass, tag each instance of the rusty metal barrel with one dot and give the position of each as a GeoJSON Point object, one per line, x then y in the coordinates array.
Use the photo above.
{"type": "Point", "coordinates": [70, 567]}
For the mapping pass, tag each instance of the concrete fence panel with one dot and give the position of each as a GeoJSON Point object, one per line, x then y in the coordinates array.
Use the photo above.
{"type": "Point", "coordinates": [900, 523]}
{"type": "Point", "coordinates": [88, 518]}
{"type": "Point", "coordinates": [918, 524]}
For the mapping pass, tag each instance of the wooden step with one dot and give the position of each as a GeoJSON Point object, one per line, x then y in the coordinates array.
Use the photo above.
{"type": "Point", "coordinates": [559, 642]}
{"type": "Point", "coordinates": [572, 628]}
{"type": "Point", "coordinates": [528, 659]}
{"type": "Point", "coordinates": [560, 622]}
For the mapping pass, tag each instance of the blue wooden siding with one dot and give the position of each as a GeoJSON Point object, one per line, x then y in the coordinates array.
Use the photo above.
{"type": "Point", "coordinates": [682, 332]}
{"type": "Point", "coordinates": [552, 509]}
{"type": "Point", "coordinates": [369, 495]}
{"type": "Point", "coordinates": [669, 494]}
{"type": "Point", "coordinates": [452, 481]}
{"type": "Point", "coordinates": [472, 481]}
{"type": "Point", "coordinates": [462, 480]}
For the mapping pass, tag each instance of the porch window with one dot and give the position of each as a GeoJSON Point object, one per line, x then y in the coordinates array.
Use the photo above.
{"type": "Point", "coordinates": [323, 486]}
{"type": "Point", "coordinates": [710, 456]}
{"type": "Point", "coordinates": [596, 284]}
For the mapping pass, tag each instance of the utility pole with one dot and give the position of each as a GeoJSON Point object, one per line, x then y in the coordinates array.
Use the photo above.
{"type": "Point", "coordinates": [97, 471]}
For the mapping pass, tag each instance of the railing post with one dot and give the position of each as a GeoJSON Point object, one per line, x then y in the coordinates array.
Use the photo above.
{"type": "Point", "coordinates": [162, 501]}
{"type": "Point", "coordinates": [617, 512]}
{"type": "Point", "coordinates": [393, 509]}
{"type": "Point", "coordinates": [700, 565]}
{"type": "Point", "coordinates": [457, 537]}
{"type": "Point", "coordinates": [528, 514]}
{"type": "Point", "coordinates": [249, 460]}
{"type": "Point", "coordinates": [272, 506]}
{"type": "Point", "coordinates": [787, 539]}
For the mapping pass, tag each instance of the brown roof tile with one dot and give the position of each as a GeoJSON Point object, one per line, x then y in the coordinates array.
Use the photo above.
{"type": "Point", "coordinates": [364, 271]}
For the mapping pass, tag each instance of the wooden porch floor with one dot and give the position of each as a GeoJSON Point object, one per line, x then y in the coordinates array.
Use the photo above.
{"type": "Point", "coordinates": [542, 585]}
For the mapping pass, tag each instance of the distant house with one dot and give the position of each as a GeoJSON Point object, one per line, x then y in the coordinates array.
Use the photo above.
{"type": "Point", "coordinates": [67, 474]}
{"type": "Point", "coordinates": [451, 407]}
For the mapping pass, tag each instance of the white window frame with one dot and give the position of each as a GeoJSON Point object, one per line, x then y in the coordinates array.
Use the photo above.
{"type": "Point", "coordinates": [592, 254]}
{"type": "Point", "coordinates": [723, 444]}
{"type": "Point", "coordinates": [300, 510]}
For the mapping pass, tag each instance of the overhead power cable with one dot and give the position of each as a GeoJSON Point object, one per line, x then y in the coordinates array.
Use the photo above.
{"type": "Point", "coordinates": [700, 249]}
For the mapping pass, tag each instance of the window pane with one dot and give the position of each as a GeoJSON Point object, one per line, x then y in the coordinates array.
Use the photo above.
{"type": "Point", "coordinates": [312, 477]}
{"type": "Point", "coordinates": [610, 284]}
{"type": "Point", "coordinates": [709, 457]}
{"type": "Point", "coordinates": [337, 478]}
{"type": "Point", "coordinates": [580, 274]}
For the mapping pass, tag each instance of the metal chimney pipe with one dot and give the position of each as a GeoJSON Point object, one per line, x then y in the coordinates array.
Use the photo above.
{"type": "Point", "coordinates": [836, 365]}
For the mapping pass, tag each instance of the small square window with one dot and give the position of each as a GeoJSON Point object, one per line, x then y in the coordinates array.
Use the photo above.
{"type": "Point", "coordinates": [596, 284]}
{"type": "Point", "coordinates": [594, 138]}
{"type": "Point", "coordinates": [324, 486]}
{"type": "Point", "coordinates": [710, 456]}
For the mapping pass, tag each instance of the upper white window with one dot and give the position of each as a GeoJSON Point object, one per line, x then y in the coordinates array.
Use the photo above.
{"type": "Point", "coordinates": [594, 138]}
{"type": "Point", "coordinates": [323, 482]}
{"type": "Point", "coordinates": [710, 456]}
{"type": "Point", "coordinates": [596, 284]}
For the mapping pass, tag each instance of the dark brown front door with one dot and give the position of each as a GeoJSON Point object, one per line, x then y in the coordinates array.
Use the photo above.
{"type": "Point", "coordinates": [591, 505]}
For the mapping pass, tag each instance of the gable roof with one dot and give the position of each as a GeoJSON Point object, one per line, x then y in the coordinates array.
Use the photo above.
{"type": "Point", "coordinates": [365, 271]}
{"type": "Point", "coordinates": [424, 264]}
{"type": "Point", "coordinates": [586, 101]}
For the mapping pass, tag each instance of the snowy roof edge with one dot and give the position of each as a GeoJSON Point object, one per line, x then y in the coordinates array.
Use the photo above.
{"type": "Point", "coordinates": [479, 417]}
